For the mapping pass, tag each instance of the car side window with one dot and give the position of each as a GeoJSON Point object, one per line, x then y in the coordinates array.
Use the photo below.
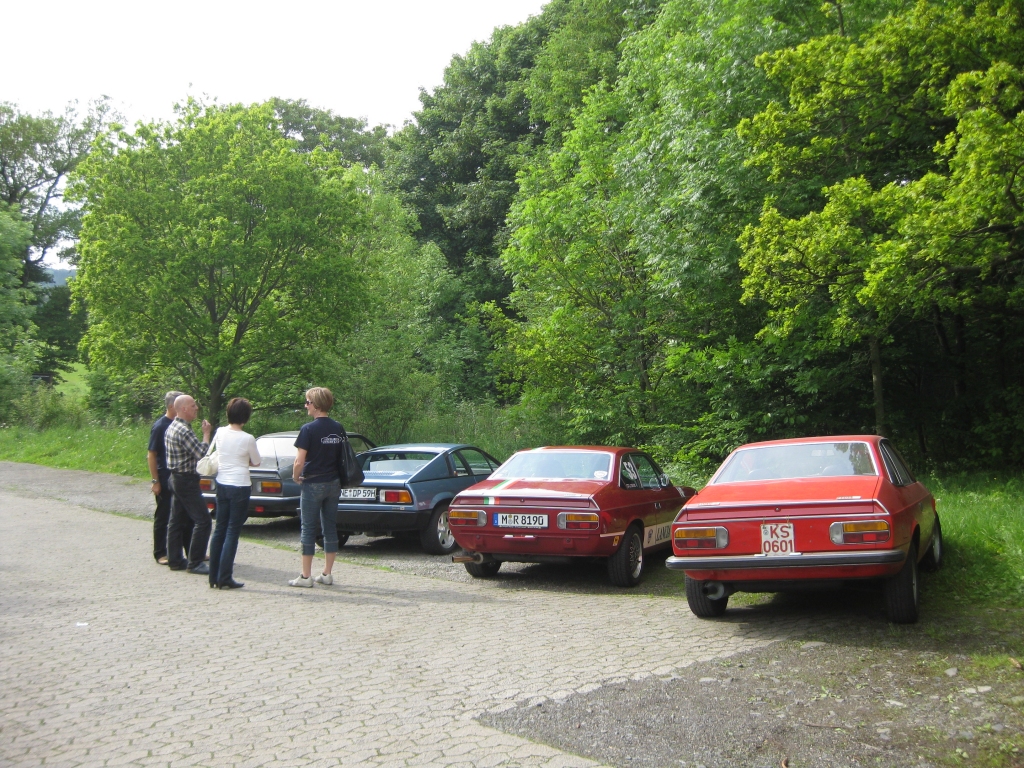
{"type": "Point", "coordinates": [462, 469]}
{"type": "Point", "coordinates": [628, 476]}
{"type": "Point", "coordinates": [478, 463]}
{"type": "Point", "coordinates": [647, 473]}
{"type": "Point", "coordinates": [901, 466]}
{"type": "Point", "coordinates": [897, 471]}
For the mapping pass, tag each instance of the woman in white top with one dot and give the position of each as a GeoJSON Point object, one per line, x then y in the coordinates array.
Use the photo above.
{"type": "Point", "coordinates": [236, 451]}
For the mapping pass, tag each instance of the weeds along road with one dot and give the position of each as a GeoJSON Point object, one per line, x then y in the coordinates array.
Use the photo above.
{"type": "Point", "coordinates": [110, 659]}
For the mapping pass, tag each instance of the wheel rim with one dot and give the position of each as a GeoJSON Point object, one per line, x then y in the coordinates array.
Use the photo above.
{"type": "Point", "coordinates": [444, 531]}
{"type": "Point", "coordinates": [636, 556]}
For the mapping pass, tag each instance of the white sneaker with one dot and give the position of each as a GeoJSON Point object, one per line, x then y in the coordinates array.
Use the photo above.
{"type": "Point", "coordinates": [324, 578]}
{"type": "Point", "coordinates": [301, 581]}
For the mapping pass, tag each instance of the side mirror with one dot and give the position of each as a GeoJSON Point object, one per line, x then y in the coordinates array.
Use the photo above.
{"type": "Point", "coordinates": [663, 479]}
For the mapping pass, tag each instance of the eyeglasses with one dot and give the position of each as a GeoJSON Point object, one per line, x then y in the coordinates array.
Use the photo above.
{"type": "Point", "coordinates": [309, 402]}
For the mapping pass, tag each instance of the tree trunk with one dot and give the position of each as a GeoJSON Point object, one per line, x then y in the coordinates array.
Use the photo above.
{"type": "Point", "coordinates": [215, 405]}
{"type": "Point", "coordinates": [876, 384]}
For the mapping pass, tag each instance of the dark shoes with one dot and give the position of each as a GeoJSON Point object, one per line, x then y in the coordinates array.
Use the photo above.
{"type": "Point", "coordinates": [231, 584]}
{"type": "Point", "coordinates": [181, 567]}
{"type": "Point", "coordinates": [202, 569]}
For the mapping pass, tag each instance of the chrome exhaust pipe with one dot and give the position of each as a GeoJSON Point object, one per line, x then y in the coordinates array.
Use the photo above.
{"type": "Point", "coordinates": [714, 590]}
{"type": "Point", "coordinates": [475, 557]}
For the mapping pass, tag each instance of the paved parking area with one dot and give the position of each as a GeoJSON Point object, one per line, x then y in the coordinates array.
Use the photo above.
{"type": "Point", "coordinates": [108, 659]}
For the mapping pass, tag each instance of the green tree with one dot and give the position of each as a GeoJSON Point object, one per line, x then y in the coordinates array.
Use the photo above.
{"type": "Point", "coordinates": [348, 136]}
{"type": "Point", "coordinates": [37, 154]}
{"type": "Point", "coordinates": [17, 352]}
{"type": "Point", "coordinates": [214, 253]}
{"type": "Point", "coordinates": [59, 327]}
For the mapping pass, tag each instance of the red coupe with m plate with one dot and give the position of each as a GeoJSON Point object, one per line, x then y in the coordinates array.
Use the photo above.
{"type": "Point", "coordinates": [555, 505]}
{"type": "Point", "coordinates": [808, 513]}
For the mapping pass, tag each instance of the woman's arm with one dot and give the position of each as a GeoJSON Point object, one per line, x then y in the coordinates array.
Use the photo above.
{"type": "Point", "coordinates": [300, 462]}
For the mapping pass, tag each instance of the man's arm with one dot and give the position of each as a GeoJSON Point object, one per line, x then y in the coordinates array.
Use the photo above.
{"type": "Point", "coordinates": [300, 462]}
{"type": "Point", "coordinates": [151, 460]}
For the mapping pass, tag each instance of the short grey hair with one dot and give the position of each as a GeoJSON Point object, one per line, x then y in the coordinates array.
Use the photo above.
{"type": "Point", "coordinates": [171, 396]}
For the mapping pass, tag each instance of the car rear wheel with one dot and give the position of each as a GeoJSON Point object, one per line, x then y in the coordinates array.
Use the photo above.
{"type": "Point", "coordinates": [626, 566]}
{"type": "Point", "coordinates": [437, 538]}
{"type": "Point", "coordinates": [933, 560]}
{"type": "Point", "coordinates": [700, 604]}
{"type": "Point", "coordinates": [901, 598]}
{"type": "Point", "coordinates": [486, 570]}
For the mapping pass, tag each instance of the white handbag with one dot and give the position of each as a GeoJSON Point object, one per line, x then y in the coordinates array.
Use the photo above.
{"type": "Point", "coordinates": [210, 463]}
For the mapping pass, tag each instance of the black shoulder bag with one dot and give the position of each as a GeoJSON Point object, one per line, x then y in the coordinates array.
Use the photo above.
{"type": "Point", "coordinates": [349, 471]}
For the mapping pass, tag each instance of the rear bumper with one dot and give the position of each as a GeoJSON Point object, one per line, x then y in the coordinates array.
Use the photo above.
{"type": "Point", "coordinates": [266, 506]}
{"type": "Point", "coordinates": [523, 547]}
{"type": "Point", "coordinates": [816, 566]}
{"type": "Point", "coordinates": [805, 560]}
{"type": "Point", "coordinates": [381, 519]}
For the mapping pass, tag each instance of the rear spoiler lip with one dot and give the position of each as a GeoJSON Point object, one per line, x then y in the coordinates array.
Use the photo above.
{"type": "Point", "coordinates": [713, 506]}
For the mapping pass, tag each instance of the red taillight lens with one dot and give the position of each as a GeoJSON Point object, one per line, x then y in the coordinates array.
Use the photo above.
{"type": "Point", "coordinates": [396, 497]}
{"type": "Point", "coordinates": [206, 484]}
{"type": "Point", "coordinates": [270, 486]}
{"type": "Point", "coordinates": [701, 538]}
{"type": "Point", "coordinates": [467, 517]}
{"type": "Point", "coordinates": [579, 521]}
{"type": "Point", "coordinates": [862, 532]}
{"type": "Point", "coordinates": [259, 509]}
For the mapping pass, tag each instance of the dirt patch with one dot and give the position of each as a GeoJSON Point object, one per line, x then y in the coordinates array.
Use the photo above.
{"type": "Point", "coordinates": [866, 696]}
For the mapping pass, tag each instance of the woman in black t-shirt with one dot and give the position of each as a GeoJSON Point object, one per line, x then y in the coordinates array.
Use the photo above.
{"type": "Point", "coordinates": [316, 468]}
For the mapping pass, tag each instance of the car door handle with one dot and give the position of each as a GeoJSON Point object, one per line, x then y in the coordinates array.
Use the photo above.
{"type": "Point", "coordinates": [657, 505]}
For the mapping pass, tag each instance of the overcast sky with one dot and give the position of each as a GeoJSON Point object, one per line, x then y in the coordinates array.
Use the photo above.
{"type": "Point", "coordinates": [359, 59]}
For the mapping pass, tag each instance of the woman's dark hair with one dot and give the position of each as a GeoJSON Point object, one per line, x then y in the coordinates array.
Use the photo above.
{"type": "Point", "coordinates": [239, 410]}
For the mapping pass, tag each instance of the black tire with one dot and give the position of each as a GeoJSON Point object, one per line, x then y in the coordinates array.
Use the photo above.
{"type": "Point", "coordinates": [486, 570]}
{"type": "Point", "coordinates": [933, 560]}
{"type": "Point", "coordinates": [901, 595]}
{"type": "Point", "coordinates": [625, 567]}
{"type": "Point", "coordinates": [436, 538]}
{"type": "Point", "coordinates": [701, 605]}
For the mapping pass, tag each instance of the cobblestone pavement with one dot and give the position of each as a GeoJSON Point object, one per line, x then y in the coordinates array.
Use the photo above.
{"type": "Point", "coordinates": [108, 659]}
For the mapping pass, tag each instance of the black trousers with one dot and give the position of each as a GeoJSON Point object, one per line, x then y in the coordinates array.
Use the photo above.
{"type": "Point", "coordinates": [187, 504]}
{"type": "Point", "coordinates": [162, 515]}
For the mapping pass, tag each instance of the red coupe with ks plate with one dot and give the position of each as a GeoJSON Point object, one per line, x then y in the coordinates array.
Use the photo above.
{"type": "Point", "coordinates": [553, 505]}
{"type": "Point", "coordinates": [808, 513]}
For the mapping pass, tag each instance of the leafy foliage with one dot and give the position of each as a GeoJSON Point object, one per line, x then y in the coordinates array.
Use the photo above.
{"type": "Point", "coordinates": [215, 254]}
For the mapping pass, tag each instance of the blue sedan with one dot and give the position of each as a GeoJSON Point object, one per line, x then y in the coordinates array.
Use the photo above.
{"type": "Point", "coordinates": [407, 488]}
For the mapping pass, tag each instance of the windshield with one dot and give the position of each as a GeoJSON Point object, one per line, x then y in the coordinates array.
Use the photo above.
{"type": "Point", "coordinates": [557, 465]}
{"type": "Point", "coordinates": [395, 462]}
{"type": "Point", "coordinates": [778, 462]}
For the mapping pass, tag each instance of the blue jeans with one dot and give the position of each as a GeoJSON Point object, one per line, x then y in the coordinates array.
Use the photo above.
{"type": "Point", "coordinates": [319, 500]}
{"type": "Point", "coordinates": [232, 512]}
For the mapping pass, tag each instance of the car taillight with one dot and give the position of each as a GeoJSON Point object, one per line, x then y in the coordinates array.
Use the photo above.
{"type": "Point", "coordinates": [701, 538]}
{"type": "Point", "coordinates": [579, 521]}
{"type": "Point", "coordinates": [270, 486]}
{"type": "Point", "coordinates": [396, 497]}
{"type": "Point", "coordinates": [861, 532]}
{"type": "Point", "coordinates": [467, 517]}
{"type": "Point", "coordinates": [206, 484]}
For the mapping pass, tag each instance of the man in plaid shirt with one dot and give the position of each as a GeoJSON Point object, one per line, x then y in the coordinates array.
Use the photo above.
{"type": "Point", "coordinates": [183, 451]}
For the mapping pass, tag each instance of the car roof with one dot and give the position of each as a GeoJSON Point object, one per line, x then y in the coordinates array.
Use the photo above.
{"type": "Point", "coordinates": [819, 439]}
{"type": "Point", "coordinates": [425, 447]}
{"type": "Point", "coordinates": [616, 449]}
{"type": "Point", "coordinates": [295, 433]}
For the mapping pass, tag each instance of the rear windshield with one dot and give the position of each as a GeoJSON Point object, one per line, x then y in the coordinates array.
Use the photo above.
{"type": "Point", "coordinates": [777, 462]}
{"type": "Point", "coordinates": [396, 462]}
{"type": "Point", "coordinates": [275, 451]}
{"type": "Point", "coordinates": [557, 465]}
